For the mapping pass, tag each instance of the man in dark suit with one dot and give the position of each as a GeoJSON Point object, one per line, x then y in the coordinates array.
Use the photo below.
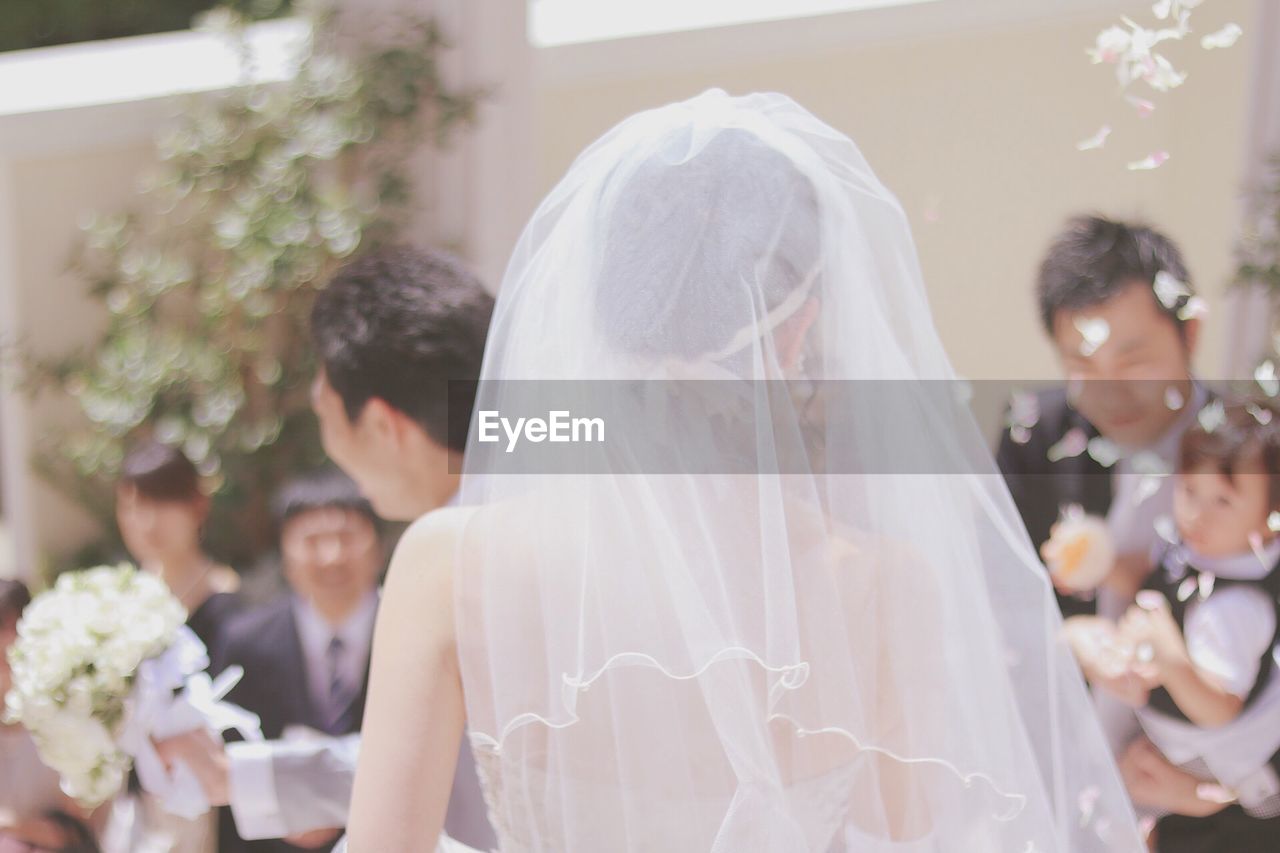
{"type": "Point", "coordinates": [306, 656]}
{"type": "Point", "coordinates": [1116, 301]}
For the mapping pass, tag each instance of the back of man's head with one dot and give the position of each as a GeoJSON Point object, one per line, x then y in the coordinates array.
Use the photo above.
{"type": "Point", "coordinates": [398, 324]}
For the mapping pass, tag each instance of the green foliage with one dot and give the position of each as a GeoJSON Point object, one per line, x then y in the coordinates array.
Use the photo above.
{"type": "Point", "coordinates": [38, 23]}
{"type": "Point", "coordinates": [1259, 249]}
{"type": "Point", "coordinates": [261, 192]}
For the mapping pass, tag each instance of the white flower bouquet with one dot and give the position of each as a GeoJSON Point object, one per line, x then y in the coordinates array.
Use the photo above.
{"type": "Point", "coordinates": [97, 668]}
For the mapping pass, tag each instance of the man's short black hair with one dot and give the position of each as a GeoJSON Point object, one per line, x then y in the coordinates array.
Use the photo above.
{"type": "Point", "coordinates": [325, 488]}
{"type": "Point", "coordinates": [398, 324]}
{"type": "Point", "coordinates": [1095, 258]}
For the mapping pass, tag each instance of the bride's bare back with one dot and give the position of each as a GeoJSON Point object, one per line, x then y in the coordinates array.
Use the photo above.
{"type": "Point", "coordinates": [414, 716]}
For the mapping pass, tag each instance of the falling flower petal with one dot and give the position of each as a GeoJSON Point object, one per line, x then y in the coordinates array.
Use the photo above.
{"type": "Point", "coordinates": [1098, 140]}
{"type": "Point", "coordinates": [1179, 32]}
{"type": "Point", "coordinates": [1144, 107]}
{"type": "Point", "coordinates": [1265, 376]}
{"type": "Point", "coordinates": [1087, 800]}
{"type": "Point", "coordinates": [1161, 75]}
{"type": "Point", "coordinates": [1187, 588]}
{"type": "Point", "coordinates": [1261, 415]}
{"type": "Point", "coordinates": [1224, 37]}
{"type": "Point", "coordinates": [933, 209]}
{"type": "Point", "coordinates": [1112, 43]}
{"type": "Point", "coordinates": [1195, 307]}
{"type": "Point", "coordinates": [1148, 600]}
{"type": "Point", "coordinates": [1024, 413]}
{"type": "Point", "coordinates": [1255, 543]}
{"type": "Point", "coordinates": [1162, 8]}
{"type": "Point", "coordinates": [1150, 464]}
{"type": "Point", "coordinates": [1075, 386]}
{"type": "Point", "coordinates": [1154, 161]}
{"type": "Point", "coordinates": [1103, 451]}
{"type": "Point", "coordinates": [1169, 290]}
{"type": "Point", "coordinates": [1212, 416]}
{"type": "Point", "coordinates": [1214, 793]}
{"type": "Point", "coordinates": [1147, 488]}
{"type": "Point", "coordinates": [1024, 409]}
{"type": "Point", "coordinates": [1273, 522]}
{"type": "Point", "coordinates": [1167, 530]}
{"type": "Point", "coordinates": [1069, 446]}
{"type": "Point", "coordinates": [1173, 399]}
{"type": "Point", "coordinates": [1095, 331]}
{"type": "Point", "coordinates": [1206, 583]}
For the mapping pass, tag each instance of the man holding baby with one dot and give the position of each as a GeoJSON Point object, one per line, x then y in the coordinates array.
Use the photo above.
{"type": "Point", "coordinates": [1182, 678]}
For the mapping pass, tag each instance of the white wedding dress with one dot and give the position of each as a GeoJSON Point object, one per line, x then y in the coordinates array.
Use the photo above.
{"type": "Point", "coordinates": [786, 604]}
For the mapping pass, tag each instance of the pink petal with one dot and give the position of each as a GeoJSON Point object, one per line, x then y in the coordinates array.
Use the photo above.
{"type": "Point", "coordinates": [1153, 161]}
{"type": "Point", "coordinates": [1255, 542]}
{"type": "Point", "coordinates": [1070, 445]}
{"type": "Point", "coordinates": [1144, 107]}
{"type": "Point", "coordinates": [1096, 141]}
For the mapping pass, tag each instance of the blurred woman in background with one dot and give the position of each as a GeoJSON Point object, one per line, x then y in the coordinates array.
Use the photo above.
{"type": "Point", "coordinates": [161, 510]}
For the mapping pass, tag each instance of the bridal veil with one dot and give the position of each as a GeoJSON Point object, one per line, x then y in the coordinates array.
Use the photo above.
{"type": "Point", "coordinates": [795, 612]}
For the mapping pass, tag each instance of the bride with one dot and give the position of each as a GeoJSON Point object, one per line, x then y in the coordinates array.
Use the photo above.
{"type": "Point", "coordinates": [787, 605]}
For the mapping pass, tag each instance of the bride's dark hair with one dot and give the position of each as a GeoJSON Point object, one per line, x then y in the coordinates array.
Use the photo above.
{"type": "Point", "coordinates": [694, 238]}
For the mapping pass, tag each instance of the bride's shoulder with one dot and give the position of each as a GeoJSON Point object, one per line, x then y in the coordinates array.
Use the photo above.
{"type": "Point", "coordinates": [425, 554]}
{"type": "Point", "coordinates": [440, 526]}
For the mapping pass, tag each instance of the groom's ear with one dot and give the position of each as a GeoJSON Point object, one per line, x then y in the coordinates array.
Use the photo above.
{"type": "Point", "coordinates": [381, 421]}
{"type": "Point", "coordinates": [392, 428]}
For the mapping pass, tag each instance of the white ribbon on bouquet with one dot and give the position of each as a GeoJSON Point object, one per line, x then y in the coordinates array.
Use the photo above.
{"type": "Point", "coordinates": [157, 711]}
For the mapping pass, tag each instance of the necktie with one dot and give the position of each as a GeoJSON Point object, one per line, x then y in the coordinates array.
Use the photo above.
{"type": "Point", "coordinates": [339, 717]}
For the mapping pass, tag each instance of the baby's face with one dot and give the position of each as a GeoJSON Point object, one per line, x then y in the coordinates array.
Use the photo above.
{"type": "Point", "coordinates": [1216, 516]}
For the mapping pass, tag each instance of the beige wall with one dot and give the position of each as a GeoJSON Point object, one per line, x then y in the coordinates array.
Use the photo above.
{"type": "Point", "coordinates": [52, 312]}
{"type": "Point", "coordinates": [985, 124]}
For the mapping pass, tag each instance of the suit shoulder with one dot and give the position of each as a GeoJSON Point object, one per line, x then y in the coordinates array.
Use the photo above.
{"type": "Point", "coordinates": [246, 629]}
{"type": "Point", "coordinates": [1053, 418]}
{"type": "Point", "coordinates": [1055, 411]}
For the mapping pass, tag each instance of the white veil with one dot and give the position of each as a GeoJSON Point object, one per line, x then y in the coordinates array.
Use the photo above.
{"type": "Point", "coordinates": [797, 615]}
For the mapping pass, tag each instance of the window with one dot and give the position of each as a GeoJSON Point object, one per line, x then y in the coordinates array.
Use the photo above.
{"type": "Point", "coordinates": [557, 22]}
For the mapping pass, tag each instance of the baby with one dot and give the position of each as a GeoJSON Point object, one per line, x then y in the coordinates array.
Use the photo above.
{"type": "Point", "coordinates": [1196, 655]}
